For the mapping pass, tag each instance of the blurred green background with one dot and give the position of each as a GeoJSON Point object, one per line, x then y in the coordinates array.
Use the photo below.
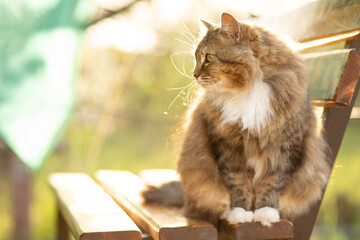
{"type": "Point", "coordinates": [131, 88]}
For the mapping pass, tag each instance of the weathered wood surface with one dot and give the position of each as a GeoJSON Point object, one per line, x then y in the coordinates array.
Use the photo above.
{"type": "Point", "coordinates": [282, 229]}
{"type": "Point", "coordinates": [161, 222]}
{"type": "Point", "coordinates": [333, 76]}
{"type": "Point", "coordinates": [146, 236]}
{"type": "Point", "coordinates": [314, 19]}
{"type": "Point", "coordinates": [89, 212]}
{"type": "Point", "coordinates": [279, 230]}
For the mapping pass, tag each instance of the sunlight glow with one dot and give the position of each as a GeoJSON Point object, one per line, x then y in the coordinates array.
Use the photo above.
{"type": "Point", "coordinates": [139, 30]}
{"type": "Point", "coordinates": [125, 35]}
{"type": "Point", "coordinates": [323, 41]}
{"type": "Point", "coordinates": [170, 11]}
{"type": "Point", "coordinates": [112, 4]}
{"type": "Point", "coordinates": [355, 113]}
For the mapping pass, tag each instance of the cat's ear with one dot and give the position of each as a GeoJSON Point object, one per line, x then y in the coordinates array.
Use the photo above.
{"type": "Point", "coordinates": [206, 24]}
{"type": "Point", "coordinates": [230, 25]}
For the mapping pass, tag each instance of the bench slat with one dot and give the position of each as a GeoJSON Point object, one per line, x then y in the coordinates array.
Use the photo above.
{"type": "Point", "coordinates": [161, 222]}
{"type": "Point", "coordinates": [89, 212]}
{"type": "Point", "coordinates": [254, 230]}
{"type": "Point", "coordinates": [316, 19]}
{"type": "Point", "coordinates": [333, 76]}
{"type": "Point", "coordinates": [279, 230]}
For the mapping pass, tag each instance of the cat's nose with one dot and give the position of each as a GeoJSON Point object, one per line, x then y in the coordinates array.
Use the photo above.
{"type": "Point", "coordinates": [196, 75]}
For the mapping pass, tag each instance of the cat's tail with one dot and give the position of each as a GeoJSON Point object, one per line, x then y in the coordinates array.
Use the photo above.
{"type": "Point", "coordinates": [168, 193]}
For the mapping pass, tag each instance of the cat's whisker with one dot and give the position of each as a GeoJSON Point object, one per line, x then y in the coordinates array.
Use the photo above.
{"type": "Point", "coordinates": [180, 87]}
{"type": "Point", "coordinates": [181, 52]}
{"type": "Point", "coordinates": [189, 88]}
{"type": "Point", "coordinates": [189, 44]}
{"type": "Point", "coordinates": [182, 73]}
{"type": "Point", "coordinates": [189, 32]}
{"type": "Point", "coordinates": [191, 92]}
{"type": "Point", "coordinates": [212, 82]}
{"type": "Point", "coordinates": [187, 37]}
{"type": "Point", "coordinates": [177, 96]}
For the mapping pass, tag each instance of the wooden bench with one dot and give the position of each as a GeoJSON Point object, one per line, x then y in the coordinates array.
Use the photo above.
{"type": "Point", "coordinates": [168, 221]}
{"type": "Point", "coordinates": [333, 89]}
{"type": "Point", "coordinates": [87, 211]}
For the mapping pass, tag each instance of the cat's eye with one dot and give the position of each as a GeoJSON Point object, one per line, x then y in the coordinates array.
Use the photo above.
{"type": "Point", "coordinates": [209, 57]}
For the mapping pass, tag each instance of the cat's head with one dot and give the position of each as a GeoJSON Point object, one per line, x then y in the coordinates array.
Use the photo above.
{"type": "Point", "coordinates": [225, 57]}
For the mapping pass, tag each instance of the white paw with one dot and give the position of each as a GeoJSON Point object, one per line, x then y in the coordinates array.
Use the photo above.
{"type": "Point", "coordinates": [266, 216]}
{"type": "Point", "coordinates": [239, 215]}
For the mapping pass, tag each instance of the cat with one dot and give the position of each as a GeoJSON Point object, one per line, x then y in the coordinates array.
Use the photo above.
{"type": "Point", "coordinates": [252, 148]}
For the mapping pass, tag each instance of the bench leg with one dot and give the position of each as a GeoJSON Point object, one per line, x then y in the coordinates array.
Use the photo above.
{"type": "Point", "coordinates": [21, 197]}
{"type": "Point", "coordinates": [63, 230]}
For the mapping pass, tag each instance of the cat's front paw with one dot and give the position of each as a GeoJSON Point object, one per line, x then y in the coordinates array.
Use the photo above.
{"type": "Point", "coordinates": [266, 215]}
{"type": "Point", "coordinates": [239, 215]}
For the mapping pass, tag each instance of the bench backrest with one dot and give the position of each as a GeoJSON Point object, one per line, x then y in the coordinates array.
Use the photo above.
{"type": "Point", "coordinates": [329, 35]}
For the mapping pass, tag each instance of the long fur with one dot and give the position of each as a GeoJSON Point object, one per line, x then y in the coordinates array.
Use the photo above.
{"type": "Point", "coordinates": [251, 141]}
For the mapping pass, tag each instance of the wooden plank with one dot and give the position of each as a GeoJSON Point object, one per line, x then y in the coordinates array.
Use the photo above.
{"type": "Point", "coordinates": [314, 19]}
{"type": "Point", "coordinates": [89, 212]}
{"type": "Point", "coordinates": [161, 222]}
{"type": "Point", "coordinates": [254, 230]}
{"type": "Point", "coordinates": [333, 76]}
{"type": "Point", "coordinates": [279, 230]}
{"type": "Point", "coordinates": [146, 236]}
{"type": "Point", "coordinates": [349, 79]}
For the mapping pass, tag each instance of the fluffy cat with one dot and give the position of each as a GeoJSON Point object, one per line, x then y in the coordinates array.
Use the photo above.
{"type": "Point", "coordinates": [252, 149]}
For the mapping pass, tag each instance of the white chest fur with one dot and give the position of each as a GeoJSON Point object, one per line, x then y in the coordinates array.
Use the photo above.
{"type": "Point", "coordinates": [253, 107]}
